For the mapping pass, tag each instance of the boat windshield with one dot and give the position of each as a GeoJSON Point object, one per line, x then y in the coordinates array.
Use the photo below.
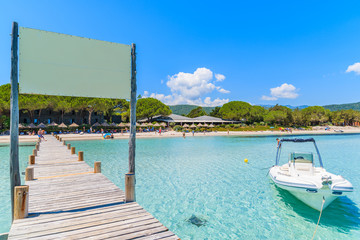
{"type": "Point", "coordinates": [301, 157]}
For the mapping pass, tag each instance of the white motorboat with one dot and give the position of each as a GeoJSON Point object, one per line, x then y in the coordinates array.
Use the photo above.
{"type": "Point", "coordinates": [310, 184]}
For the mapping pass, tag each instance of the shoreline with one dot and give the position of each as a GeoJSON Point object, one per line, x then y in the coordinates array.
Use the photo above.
{"type": "Point", "coordinates": [97, 136]}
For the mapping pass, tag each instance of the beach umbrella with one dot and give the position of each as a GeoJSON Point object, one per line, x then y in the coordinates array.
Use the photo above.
{"type": "Point", "coordinates": [74, 125]}
{"type": "Point", "coordinates": [53, 124]}
{"type": "Point", "coordinates": [138, 124]}
{"type": "Point", "coordinates": [122, 125]}
{"type": "Point", "coordinates": [41, 125]}
{"type": "Point", "coordinates": [21, 126]}
{"type": "Point", "coordinates": [31, 125]}
{"type": "Point", "coordinates": [199, 125]}
{"type": "Point", "coordinates": [205, 125]}
{"type": "Point", "coordinates": [96, 124]}
{"type": "Point", "coordinates": [113, 124]}
{"type": "Point", "coordinates": [62, 125]}
{"type": "Point", "coordinates": [192, 126]}
{"type": "Point", "coordinates": [185, 125]}
{"type": "Point", "coordinates": [211, 126]}
{"type": "Point", "coordinates": [163, 124]}
{"type": "Point", "coordinates": [149, 124]}
{"type": "Point", "coordinates": [105, 124]}
{"type": "Point", "coordinates": [143, 125]}
{"type": "Point", "coordinates": [156, 125]}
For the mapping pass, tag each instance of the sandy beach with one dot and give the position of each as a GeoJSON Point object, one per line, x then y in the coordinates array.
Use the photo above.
{"type": "Point", "coordinates": [165, 134]}
{"type": "Point", "coordinates": [98, 136]}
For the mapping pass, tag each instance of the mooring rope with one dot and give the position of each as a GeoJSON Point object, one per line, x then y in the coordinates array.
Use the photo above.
{"type": "Point", "coordinates": [322, 205]}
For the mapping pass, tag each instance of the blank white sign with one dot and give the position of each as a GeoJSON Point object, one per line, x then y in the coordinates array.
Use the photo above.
{"type": "Point", "coordinates": [59, 64]}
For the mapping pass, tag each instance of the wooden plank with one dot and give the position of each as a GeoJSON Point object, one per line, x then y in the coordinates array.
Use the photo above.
{"type": "Point", "coordinates": [79, 205]}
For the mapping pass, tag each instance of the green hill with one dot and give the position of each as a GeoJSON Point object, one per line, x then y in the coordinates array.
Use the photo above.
{"type": "Point", "coordinates": [346, 106]}
{"type": "Point", "coordinates": [185, 109]}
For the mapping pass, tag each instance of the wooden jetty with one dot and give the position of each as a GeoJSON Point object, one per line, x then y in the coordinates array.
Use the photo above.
{"type": "Point", "coordinates": [67, 200]}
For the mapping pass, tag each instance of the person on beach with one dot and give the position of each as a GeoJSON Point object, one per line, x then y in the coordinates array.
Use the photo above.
{"type": "Point", "coordinates": [193, 132]}
{"type": "Point", "coordinates": [160, 131]}
{"type": "Point", "coordinates": [228, 132]}
{"type": "Point", "coordinates": [39, 134]}
{"type": "Point", "coordinates": [102, 132]}
{"type": "Point", "coordinates": [184, 135]}
{"type": "Point", "coordinates": [42, 135]}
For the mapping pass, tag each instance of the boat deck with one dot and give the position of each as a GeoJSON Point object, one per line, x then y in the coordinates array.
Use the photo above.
{"type": "Point", "coordinates": [68, 201]}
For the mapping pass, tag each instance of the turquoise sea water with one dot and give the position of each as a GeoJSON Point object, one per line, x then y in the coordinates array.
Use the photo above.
{"type": "Point", "coordinates": [206, 177]}
{"type": "Point", "coordinates": [5, 210]}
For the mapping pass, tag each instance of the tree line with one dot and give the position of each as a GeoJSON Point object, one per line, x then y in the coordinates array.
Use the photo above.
{"type": "Point", "coordinates": [33, 105]}
{"type": "Point", "coordinates": [280, 115]}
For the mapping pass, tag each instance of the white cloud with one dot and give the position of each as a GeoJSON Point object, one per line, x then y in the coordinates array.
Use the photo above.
{"type": "Point", "coordinates": [189, 88]}
{"type": "Point", "coordinates": [284, 91]}
{"type": "Point", "coordinates": [267, 98]}
{"type": "Point", "coordinates": [219, 77]}
{"type": "Point", "coordinates": [221, 90]}
{"type": "Point", "coordinates": [354, 68]}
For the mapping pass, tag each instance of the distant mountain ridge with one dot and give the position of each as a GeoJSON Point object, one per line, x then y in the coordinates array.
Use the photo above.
{"type": "Point", "coordinates": [289, 106]}
{"type": "Point", "coordinates": [346, 106]}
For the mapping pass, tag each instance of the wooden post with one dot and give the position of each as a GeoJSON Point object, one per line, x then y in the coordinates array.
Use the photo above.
{"type": "Point", "coordinates": [69, 146]}
{"type": "Point", "coordinates": [72, 150]}
{"type": "Point", "coordinates": [64, 143]}
{"type": "Point", "coordinates": [29, 174]}
{"type": "Point", "coordinates": [60, 139]}
{"type": "Point", "coordinates": [21, 202]}
{"type": "Point", "coordinates": [129, 187]}
{"type": "Point", "coordinates": [37, 147]}
{"type": "Point", "coordinates": [32, 159]}
{"type": "Point", "coordinates": [130, 177]}
{"type": "Point", "coordinates": [14, 116]}
{"type": "Point", "coordinates": [81, 155]}
{"type": "Point", "coordinates": [97, 167]}
{"type": "Point", "coordinates": [34, 152]}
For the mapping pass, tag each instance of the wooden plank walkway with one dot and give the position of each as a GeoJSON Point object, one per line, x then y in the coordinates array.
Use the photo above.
{"type": "Point", "coordinates": [68, 201]}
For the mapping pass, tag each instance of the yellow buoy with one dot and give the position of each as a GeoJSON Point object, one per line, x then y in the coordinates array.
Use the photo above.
{"type": "Point", "coordinates": [245, 160]}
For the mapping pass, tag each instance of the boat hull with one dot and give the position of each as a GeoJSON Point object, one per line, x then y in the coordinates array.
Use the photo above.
{"type": "Point", "coordinates": [312, 198]}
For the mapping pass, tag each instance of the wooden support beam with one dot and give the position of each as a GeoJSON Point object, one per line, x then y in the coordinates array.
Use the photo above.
{"type": "Point", "coordinates": [81, 155]}
{"type": "Point", "coordinates": [130, 187]}
{"type": "Point", "coordinates": [29, 174]}
{"type": "Point", "coordinates": [37, 147]}
{"type": "Point", "coordinates": [34, 152]}
{"type": "Point", "coordinates": [21, 202]}
{"type": "Point", "coordinates": [32, 159]}
{"type": "Point", "coordinates": [130, 177]}
{"type": "Point", "coordinates": [14, 116]}
{"type": "Point", "coordinates": [97, 167]}
{"type": "Point", "coordinates": [64, 143]}
{"type": "Point", "coordinates": [72, 150]}
{"type": "Point", "coordinates": [69, 146]}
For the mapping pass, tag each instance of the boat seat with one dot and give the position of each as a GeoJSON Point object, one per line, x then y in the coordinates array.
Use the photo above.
{"type": "Point", "coordinates": [284, 168]}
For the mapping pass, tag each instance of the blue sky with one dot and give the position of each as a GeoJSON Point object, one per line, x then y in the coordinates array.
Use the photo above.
{"type": "Point", "coordinates": [208, 53]}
